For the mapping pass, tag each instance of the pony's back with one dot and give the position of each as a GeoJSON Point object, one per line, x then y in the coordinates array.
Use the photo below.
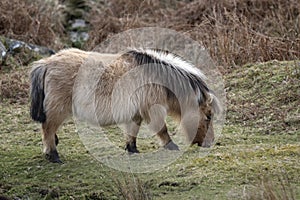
{"type": "Point", "coordinates": [116, 88]}
{"type": "Point", "coordinates": [102, 82]}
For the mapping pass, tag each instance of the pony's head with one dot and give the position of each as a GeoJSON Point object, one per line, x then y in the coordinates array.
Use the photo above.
{"type": "Point", "coordinates": [205, 132]}
{"type": "Point", "coordinates": [187, 92]}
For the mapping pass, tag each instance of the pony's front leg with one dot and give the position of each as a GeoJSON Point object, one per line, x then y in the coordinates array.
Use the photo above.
{"type": "Point", "coordinates": [50, 140]}
{"type": "Point", "coordinates": [166, 140]}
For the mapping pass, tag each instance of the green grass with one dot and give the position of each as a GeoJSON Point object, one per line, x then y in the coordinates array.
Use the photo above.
{"type": "Point", "coordinates": [259, 146]}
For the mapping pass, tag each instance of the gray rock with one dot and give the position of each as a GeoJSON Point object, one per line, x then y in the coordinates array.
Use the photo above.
{"type": "Point", "coordinates": [79, 36]}
{"type": "Point", "coordinates": [3, 52]}
{"type": "Point", "coordinates": [78, 23]}
{"type": "Point", "coordinates": [14, 46]}
{"type": "Point", "coordinates": [23, 52]}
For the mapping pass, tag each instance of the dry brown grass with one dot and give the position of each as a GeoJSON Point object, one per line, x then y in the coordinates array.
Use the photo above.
{"type": "Point", "coordinates": [237, 32]}
{"type": "Point", "coordinates": [268, 189]}
{"type": "Point", "coordinates": [130, 187]}
{"type": "Point", "coordinates": [36, 22]}
{"type": "Point", "coordinates": [121, 15]}
{"type": "Point", "coordinates": [14, 86]}
{"type": "Point", "coordinates": [234, 31]}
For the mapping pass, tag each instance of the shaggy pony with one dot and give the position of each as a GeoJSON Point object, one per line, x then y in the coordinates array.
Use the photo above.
{"type": "Point", "coordinates": [105, 89]}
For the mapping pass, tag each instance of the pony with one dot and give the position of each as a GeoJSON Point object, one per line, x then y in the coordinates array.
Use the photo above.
{"type": "Point", "coordinates": [128, 88]}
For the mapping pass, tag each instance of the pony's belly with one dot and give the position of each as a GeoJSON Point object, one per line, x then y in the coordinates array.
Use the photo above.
{"type": "Point", "coordinates": [87, 112]}
{"type": "Point", "coordinates": [84, 113]}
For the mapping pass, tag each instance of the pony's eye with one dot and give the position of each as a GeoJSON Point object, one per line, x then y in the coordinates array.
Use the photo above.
{"type": "Point", "coordinates": [208, 117]}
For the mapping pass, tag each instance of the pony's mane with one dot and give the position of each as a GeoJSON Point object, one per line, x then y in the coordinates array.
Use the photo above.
{"type": "Point", "coordinates": [177, 65]}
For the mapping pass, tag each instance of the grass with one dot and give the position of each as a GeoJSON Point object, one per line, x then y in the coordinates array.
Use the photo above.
{"type": "Point", "coordinates": [264, 94]}
{"type": "Point", "coordinates": [256, 157]}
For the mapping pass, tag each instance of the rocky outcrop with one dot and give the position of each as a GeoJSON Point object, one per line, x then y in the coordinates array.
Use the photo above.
{"type": "Point", "coordinates": [25, 52]}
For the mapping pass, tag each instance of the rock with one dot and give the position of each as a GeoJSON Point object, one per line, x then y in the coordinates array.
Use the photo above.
{"type": "Point", "coordinates": [78, 32]}
{"type": "Point", "coordinates": [15, 46]}
{"type": "Point", "coordinates": [3, 53]}
{"type": "Point", "coordinates": [78, 24]}
{"type": "Point", "coordinates": [15, 53]}
{"type": "Point", "coordinates": [79, 36]}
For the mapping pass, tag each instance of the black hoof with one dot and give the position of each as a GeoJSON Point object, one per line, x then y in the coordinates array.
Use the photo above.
{"type": "Point", "coordinates": [53, 157]}
{"type": "Point", "coordinates": [131, 148]}
{"type": "Point", "coordinates": [171, 146]}
{"type": "Point", "coordinates": [56, 140]}
{"type": "Point", "coordinates": [205, 145]}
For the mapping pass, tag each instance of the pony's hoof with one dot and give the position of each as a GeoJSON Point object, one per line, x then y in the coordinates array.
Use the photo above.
{"type": "Point", "coordinates": [196, 143]}
{"type": "Point", "coordinates": [171, 146]}
{"type": "Point", "coordinates": [205, 144]}
{"type": "Point", "coordinates": [131, 148]}
{"type": "Point", "coordinates": [53, 157]}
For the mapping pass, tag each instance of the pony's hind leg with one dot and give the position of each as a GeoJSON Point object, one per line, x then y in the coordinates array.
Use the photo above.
{"type": "Point", "coordinates": [50, 140]}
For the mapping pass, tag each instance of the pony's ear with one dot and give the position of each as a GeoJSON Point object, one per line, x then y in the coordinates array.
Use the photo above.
{"type": "Point", "coordinates": [213, 101]}
{"type": "Point", "coordinates": [210, 98]}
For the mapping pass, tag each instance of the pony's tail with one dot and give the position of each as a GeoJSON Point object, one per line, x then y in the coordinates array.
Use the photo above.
{"type": "Point", "coordinates": [37, 94]}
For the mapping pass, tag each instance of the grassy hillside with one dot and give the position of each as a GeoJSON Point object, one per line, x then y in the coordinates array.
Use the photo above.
{"type": "Point", "coordinates": [256, 157]}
